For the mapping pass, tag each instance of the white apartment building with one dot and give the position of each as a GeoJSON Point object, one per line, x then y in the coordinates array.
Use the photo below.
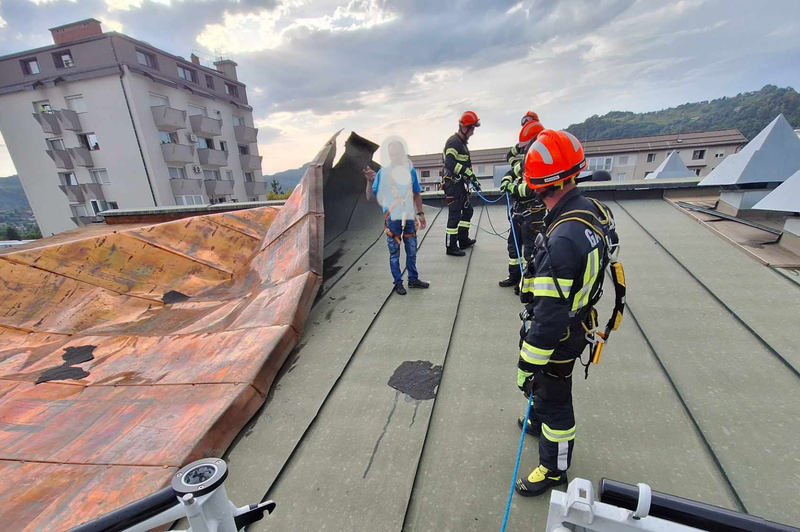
{"type": "Point", "coordinates": [99, 121]}
{"type": "Point", "coordinates": [626, 159]}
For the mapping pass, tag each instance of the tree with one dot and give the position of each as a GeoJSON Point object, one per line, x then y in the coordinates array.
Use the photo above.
{"type": "Point", "coordinates": [32, 232]}
{"type": "Point", "coordinates": [9, 232]}
{"type": "Point", "coordinates": [271, 195]}
{"type": "Point", "coordinates": [276, 187]}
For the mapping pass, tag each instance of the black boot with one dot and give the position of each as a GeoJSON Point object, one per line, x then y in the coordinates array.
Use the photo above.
{"type": "Point", "coordinates": [539, 481]}
{"type": "Point", "coordinates": [416, 283]}
{"type": "Point", "coordinates": [509, 281]}
{"type": "Point", "coordinates": [468, 243]}
{"type": "Point", "coordinates": [399, 289]}
{"type": "Point", "coordinates": [452, 247]}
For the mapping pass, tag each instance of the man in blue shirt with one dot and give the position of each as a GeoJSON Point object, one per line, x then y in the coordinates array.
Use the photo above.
{"type": "Point", "coordinates": [397, 189]}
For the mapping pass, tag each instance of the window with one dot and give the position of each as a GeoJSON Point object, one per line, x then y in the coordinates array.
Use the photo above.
{"type": "Point", "coordinates": [189, 200]}
{"type": "Point", "coordinates": [89, 141]}
{"type": "Point", "coordinates": [76, 103]}
{"type": "Point", "coordinates": [621, 177]}
{"type": "Point", "coordinates": [157, 99]}
{"type": "Point", "coordinates": [244, 150]}
{"type": "Point", "coordinates": [99, 206]}
{"type": "Point", "coordinates": [204, 143]}
{"type": "Point", "coordinates": [697, 171]}
{"type": "Point", "coordinates": [211, 175]}
{"type": "Point", "coordinates": [63, 59]}
{"type": "Point", "coordinates": [623, 160]}
{"type": "Point", "coordinates": [651, 157]}
{"type": "Point", "coordinates": [79, 210]}
{"type": "Point", "coordinates": [441, 173]}
{"type": "Point", "coordinates": [100, 176]}
{"type": "Point", "coordinates": [55, 144]}
{"type": "Point", "coordinates": [234, 200]}
{"type": "Point", "coordinates": [30, 67]}
{"type": "Point", "coordinates": [599, 163]}
{"type": "Point", "coordinates": [647, 174]}
{"type": "Point", "coordinates": [698, 154]}
{"type": "Point", "coordinates": [167, 137]}
{"type": "Point", "coordinates": [253, 199]}
{"type": "Point", "coordinates": [481, 169]}
{"type": "Point", "coordinates": [232, 90]}
{"type": "Point", "coordinates": [209, 81]}
{"type": "Point", "coordinates": [223, 146]}
{"type": "Point", "coordinates": [177, 172]}
{"type": "Point", "coordinates": [426, 173]}
{"type": "Point", "coordinates": [197, 110]}
{"type": "Point", "coordinates": [238, 120]}
{"type": "Point", "coordinates": [248, 177]}
{"type": "Point", "coordinates": [147, 59]}
{"type": "Point", "coordinates": [427, 189]}
{"type": "Point", "coordinates": [68, 178]}
{"type": "Point", "coordinates": [42, 107]}
{"type": "Point", "coordinates": [229, 175]}
{"type": "Point", "coordinates": [719, 154]}
{"type": "Point", "coordinates": [187, 73]}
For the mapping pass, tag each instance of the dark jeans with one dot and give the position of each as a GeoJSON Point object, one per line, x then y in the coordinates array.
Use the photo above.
{"type": "Point", "coordinates": [410, 242]}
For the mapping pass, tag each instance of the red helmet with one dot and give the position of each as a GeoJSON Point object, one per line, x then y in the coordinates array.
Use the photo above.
{"type": "Point", "coordinates": [554, 158]}
{"type": "Point", "coordinates": [469, 118]}
{"type": "Point", "coordinates": [530, 115]}
{"type": "Point", "coordinates": [530, 131]}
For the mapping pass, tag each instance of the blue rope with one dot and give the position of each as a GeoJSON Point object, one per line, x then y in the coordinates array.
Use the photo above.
{"type": "Point", "coordinates": [478, 192]}
{"type": "Point", "coordinates": [530, 399]}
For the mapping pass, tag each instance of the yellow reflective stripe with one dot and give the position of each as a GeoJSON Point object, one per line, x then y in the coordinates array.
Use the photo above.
{"type": "Point", "coordinates": [558, 435]}
{"type": "Point", "coordinates": [619, 272]}
{"type": "Point", "coordinates": [454, 153]}
{"type": "Point", "coordinates": [534, 355]}
{"type": "Point", "coordinates": [546, 287]}
{"type": "Point", "coordinates": [458, 168]}
{"type": "Point", "coordinates": [521, 376]}
{"type": "Point", "coordinates": [527, 285]}
{"type": "Point", "coordinates": [452, 231]}
{"type": "Point", "coordinates": [468, 172]}
{"type": "Point", "coordinates": [513, 262]}
{"type": "Point", "coordinates": [589, 276]}
{"type": "Point", "coordinates": [465, 224]}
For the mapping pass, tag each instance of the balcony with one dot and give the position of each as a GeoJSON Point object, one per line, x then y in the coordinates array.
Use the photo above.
{"type": "Point", "coordinates": [250, 162]}
{"type": "Point", "coordinates": [255, 188]}
{"type": "Point", "coordinates": [245, 134]}
{"type": "Point", "coordinates": [74, 193]}
{"type": "Point", "coordinates": [215, 187]}
{"type": "Point", "coordinates": [168, 119]}
{"type": "Point", "coordinates": [49, 123]}
{"type": "Point", "coordinates": [178, 153]}
{"type": "Point", "coordinates": [186, 187]}
{"type": "Point", "coordinates": [92, 191]}
{"type": "Point", "coordinates": [86, 220]}
{"type": "Point", "coordinates": [61, 158]}
{"type": "Point", "coordinates": [82, 156]}
{"type": "Point", "coordinates": [69, 120]}
{"type": "Point", "coordinates": [212, 158]}
{"type": "Point", "coordinates": [205, 126]}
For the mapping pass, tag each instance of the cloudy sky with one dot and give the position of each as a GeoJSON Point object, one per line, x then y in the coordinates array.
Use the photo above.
{"type": "Point", "coordinates": [409, 67]}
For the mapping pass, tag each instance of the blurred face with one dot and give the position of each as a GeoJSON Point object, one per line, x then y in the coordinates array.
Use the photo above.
{"type": "Point", "coordinates": [469, 131]}
{"type": "Point", "coordinates": [396, 154]}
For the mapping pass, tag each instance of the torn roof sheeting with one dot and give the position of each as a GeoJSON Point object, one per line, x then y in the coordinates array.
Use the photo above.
{"type": "Point", "coordinates": [672, 168]}
{"type": "Point", "coordinates": [129, 354]}
{"type": "Point", "coordinates": [785, 198]}
{"type": "Point", "coordinates": [771, 157]}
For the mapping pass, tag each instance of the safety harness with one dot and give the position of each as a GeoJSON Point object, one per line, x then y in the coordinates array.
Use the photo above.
{"type": "Point", "coordinates": [603, 226]}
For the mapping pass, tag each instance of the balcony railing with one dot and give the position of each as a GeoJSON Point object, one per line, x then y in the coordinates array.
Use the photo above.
{"type": "Point", "coordinates": [205, 126]}
{"type": "Point", "coordinates": [93, 191]}
{"type": "Point", "coordinates": [86, 220]}
{"type": "Point", "coordinates": [255, 188]}
{"type": "Point", "coordinates": [186, 187]}
{"type": "Point", "coordinates": [245, 134]}
{"type": "Point", "coordinates": [61, 158]}
{"type": "Point", "coordinates": [73, 192]}
{"type": "Point", "coordinates": [168, 119]}
{"type": "Point", "coordinates": [82, 156]}
{"type": "Point", "coordinates": [216, 187]}
{"type": "Point", "coordinates": [49, 123]}
{"type": "Point", "coordinates": [178, 153]}
{"type": "Point", "coordinates": [250, 162]}
{"type": "Point", "coordinates": [69, 120]}
{"type": "Point", "coordinates": [212, 158]}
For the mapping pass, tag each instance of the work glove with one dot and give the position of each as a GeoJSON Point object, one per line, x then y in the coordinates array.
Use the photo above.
{"type": "Point", "coordinates": [476, 184]}
{"type": "Point", "coordinates": [525, 382]}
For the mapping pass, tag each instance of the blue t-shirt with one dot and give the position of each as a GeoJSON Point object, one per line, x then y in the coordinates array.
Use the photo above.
{"type": "Point", "coordinates": [386, 196]}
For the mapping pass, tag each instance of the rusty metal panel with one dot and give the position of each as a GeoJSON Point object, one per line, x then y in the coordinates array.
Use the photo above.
{"type": "Point", "coordinates": [250, 222]}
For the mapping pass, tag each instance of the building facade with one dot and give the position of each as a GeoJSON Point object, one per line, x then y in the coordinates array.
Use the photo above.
{"type": "Point", "coordinates": [99, 121]}
{"type": "Point", "coordinates": [628, 159]}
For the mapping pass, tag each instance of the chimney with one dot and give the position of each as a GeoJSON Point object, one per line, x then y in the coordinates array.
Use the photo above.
{"type": "Point", "coordinates": [195, 59]}
{"type": "Point", "coordinates": [76, 30]}
{"type": "Point", "coordinates": [227, 68]}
